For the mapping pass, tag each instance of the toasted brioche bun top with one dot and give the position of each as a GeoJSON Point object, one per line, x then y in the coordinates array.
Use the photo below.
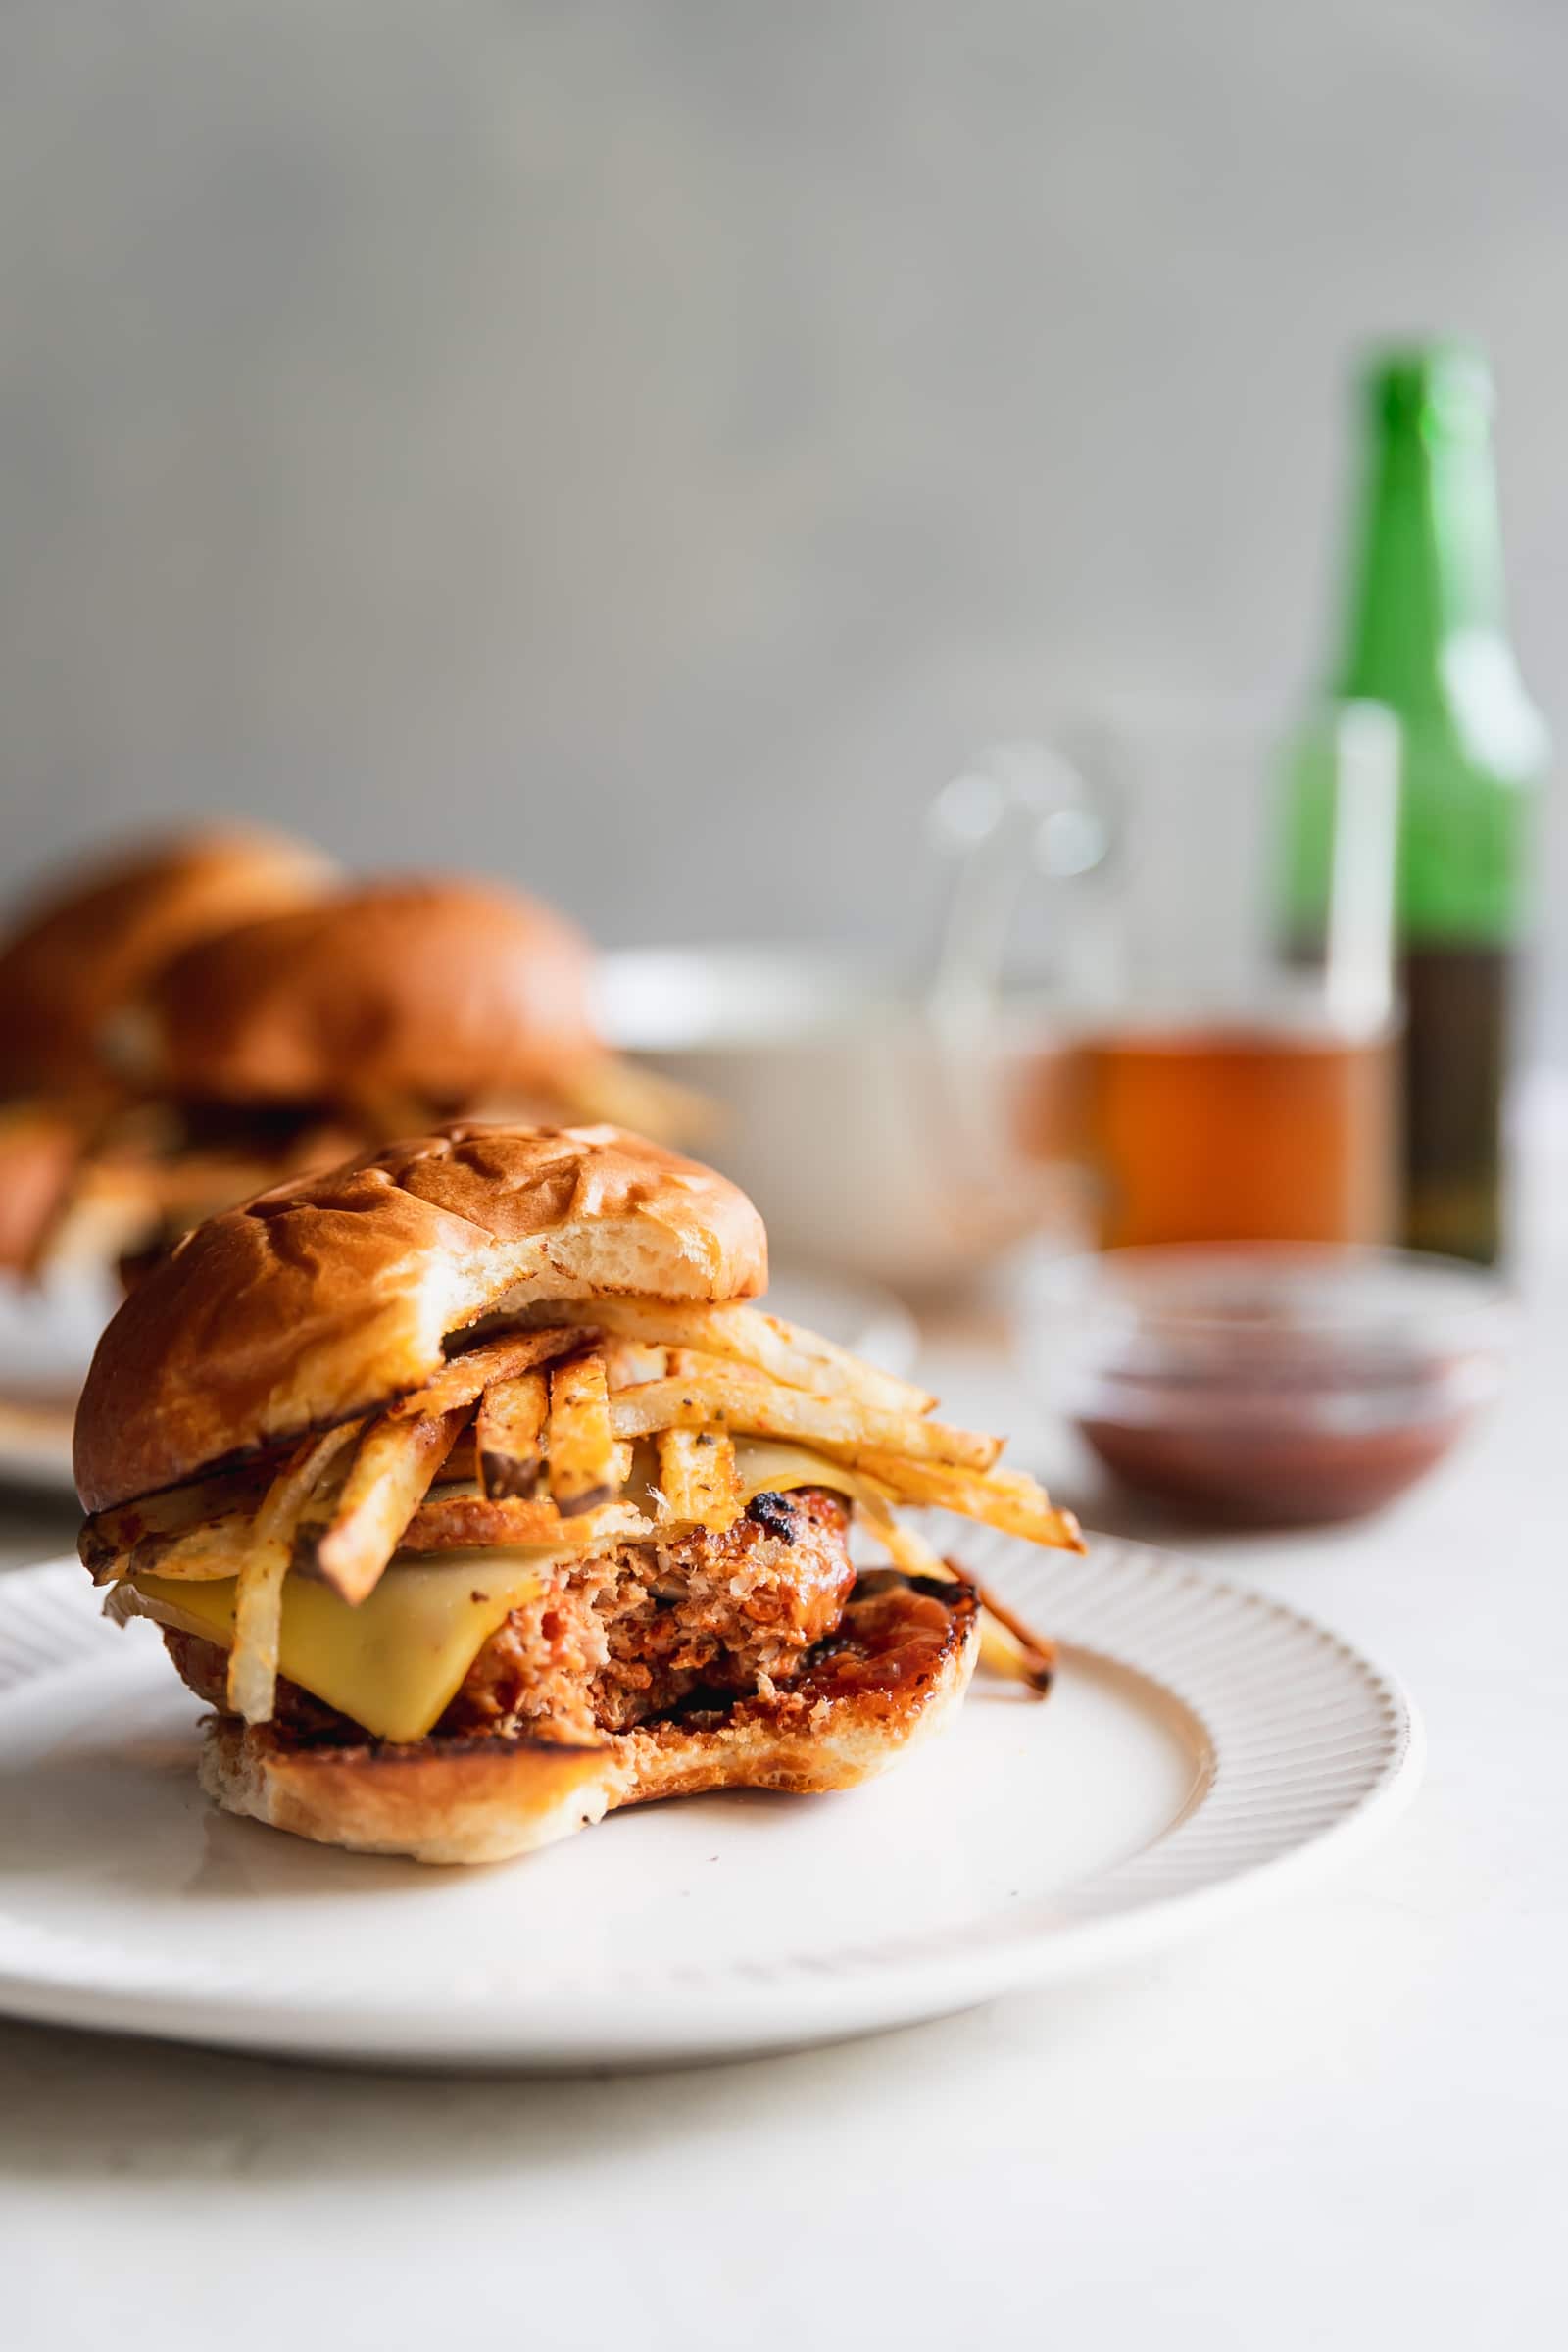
{"type": "Point", "coordinates": [334, 1294]}
{"type": "Point", "coordinates": [79, 954]}
{"type": "Point", "coordinates": [446, 993]}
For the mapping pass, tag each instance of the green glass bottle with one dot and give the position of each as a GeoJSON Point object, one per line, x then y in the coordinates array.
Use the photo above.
{"type": "Point", "coordinates": [1426, 637]}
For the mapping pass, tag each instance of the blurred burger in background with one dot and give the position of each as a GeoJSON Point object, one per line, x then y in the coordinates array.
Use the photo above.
{"type": "Point", "coordinates": [276, 1046]}
{"type": "Point", "coordinates": [76, 955]}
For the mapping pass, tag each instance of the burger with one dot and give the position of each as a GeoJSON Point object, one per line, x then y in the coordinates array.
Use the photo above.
{"type": "Point", "coordinates": [284, 1044]}
{"type": "Point", "coordinates": [469, 1491]}
{"type": "Point", "coordinates": [81, 952]}
{"type": "Point", "coordinates": [76, 957]}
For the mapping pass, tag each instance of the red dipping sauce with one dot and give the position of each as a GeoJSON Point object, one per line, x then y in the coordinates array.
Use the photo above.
{"type": "Point", "coordinates": [1268, 1386]}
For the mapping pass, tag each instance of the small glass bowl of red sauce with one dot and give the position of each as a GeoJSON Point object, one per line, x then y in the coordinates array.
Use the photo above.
{"type": "Point", "coordinates": [1262, 1384]}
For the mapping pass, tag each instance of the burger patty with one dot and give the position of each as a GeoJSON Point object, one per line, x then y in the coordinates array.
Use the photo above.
{"type": "Point", "coordinates": [638, 1631]}
{"type": "Point", "coordinates": [630, 1635]}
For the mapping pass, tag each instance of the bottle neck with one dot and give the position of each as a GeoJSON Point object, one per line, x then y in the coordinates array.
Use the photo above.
{"type": "Point", "coordinates": [1430, 564]}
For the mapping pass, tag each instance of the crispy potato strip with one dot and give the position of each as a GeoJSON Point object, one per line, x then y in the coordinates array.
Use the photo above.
{"type": "Point", "coordinates": [258, 1594]}
{"type": "Point", "coordinates": [258, 1614]}
{"type": "Point", "coordinates": [388, 1479]}
{"type": "Point", "coordinates": [1007, 1499]}
{"type": "Point", "coordinates": [745, 1335]}
{"type": "Point", "coordinates": [741, 1401]}
{"type": "Point", "coordinates": [463, 1462]}
{"type": "Point", "coordinates": [110, 1537]}
{"type": "Point", "coordinates": [697, 1478]}
{"type": "Point", "coordinates": [628, 1362]}
{"type": "Point", "coordinates": [466, 1377]}
{"type": "Point", "coordinates": [908, 1550]}
{"type": "Point", "coordinates": [509, 1436]}
{"type": "Point", "coordinates": [586, 1467]}
{"type": "Point", "coordinates": [1007, 1647]}
{"type": "Point", "coordinates": [218, 1548]}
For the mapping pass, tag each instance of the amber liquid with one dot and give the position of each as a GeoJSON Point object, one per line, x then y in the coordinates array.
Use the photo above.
{"type": "Point", "coordinates": [1241, 1135]}
{"type": "Point", "coordinates": [1455, 1063]}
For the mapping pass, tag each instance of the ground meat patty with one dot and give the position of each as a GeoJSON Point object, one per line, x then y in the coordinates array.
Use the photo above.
{"type": "Point", "coordinates": [638, 1631]}
{"type": "Point", "coordinates": [631, 1635]}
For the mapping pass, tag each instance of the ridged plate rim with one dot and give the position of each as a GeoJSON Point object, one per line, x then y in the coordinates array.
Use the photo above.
{"type": "Point", "coordinates": [1311, 1751]}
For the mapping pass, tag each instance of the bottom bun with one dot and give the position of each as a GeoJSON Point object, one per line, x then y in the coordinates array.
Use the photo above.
{"type": "Point", "coordinates": [897, 1668]}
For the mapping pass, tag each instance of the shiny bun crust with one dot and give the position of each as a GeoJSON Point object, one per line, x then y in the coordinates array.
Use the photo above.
{"type": "Point", "coordinates": [334, 1294]}
{"type": "Point", "coordinates": [486, 1801]}
{"type": "Point", "coordinates": [443, 993]}
{"type": "Point", "coordinates": [78, 956]}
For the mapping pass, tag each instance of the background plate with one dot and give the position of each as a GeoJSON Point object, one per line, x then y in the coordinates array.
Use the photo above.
{"type": "Point", "coordinates": [1203, 1746]}
{"type": "Point", "coordinates": [47, 1336]}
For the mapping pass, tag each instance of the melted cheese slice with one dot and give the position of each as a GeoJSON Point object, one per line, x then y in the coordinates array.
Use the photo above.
{"type": "Point", "coordinates": [766, 1468]}
{"type": "Point", "coordinates": [396, 1661]}
{"type": "Point", "coordinates": [393, 1662]}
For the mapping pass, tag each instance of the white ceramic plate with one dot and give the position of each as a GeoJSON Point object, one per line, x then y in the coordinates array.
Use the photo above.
{"type": "Point", "coordinates": [47, 1338]}
{"type": "Point", "coordinates": [1204, 1747]}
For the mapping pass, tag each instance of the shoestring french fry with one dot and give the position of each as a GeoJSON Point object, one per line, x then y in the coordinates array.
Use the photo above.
{"type": "Point", "coordinates": [252, 1681]}
{"type": "Point", "coordinates": [509, 1439]}
{"type": "Point", "coordinates": [746, 1335]}
{"type": "Point", "coordinates": [389, 1477]}
{"type": "Point", "coordinates": [584, 1463]}
{"type": "Point", "coordinates": [754, 1408]}
{"type": "Point", "coordinates": [697, 1478]}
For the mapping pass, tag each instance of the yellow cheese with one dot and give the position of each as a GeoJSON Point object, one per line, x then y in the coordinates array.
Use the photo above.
{"type": "Point", "coordinates": [393, 1662]}
{"type": "Point", "coordinates": [766, 1468]}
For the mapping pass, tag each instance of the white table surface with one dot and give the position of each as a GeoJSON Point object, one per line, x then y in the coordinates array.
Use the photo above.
{"type": "Point", "coordinates": [1341, 2121]}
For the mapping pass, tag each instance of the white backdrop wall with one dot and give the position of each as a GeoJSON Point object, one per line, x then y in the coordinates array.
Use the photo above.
{"type": "Point", "coordinates": [641, 440]}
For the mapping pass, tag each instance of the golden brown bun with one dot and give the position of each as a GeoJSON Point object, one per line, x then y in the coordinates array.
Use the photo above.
{"type": "Point", "coordinates": [332, 1294]}
{"type": "Point", "coordinates": [78, 956]}
{"type": "Point", "coordinates": [443, 993]}
{"type": "Point", "coordinates": [907, 1657]}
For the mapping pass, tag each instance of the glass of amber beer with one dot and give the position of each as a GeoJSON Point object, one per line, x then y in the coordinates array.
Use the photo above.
{"type": "Point", "coordinates": [1234, 1067]}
